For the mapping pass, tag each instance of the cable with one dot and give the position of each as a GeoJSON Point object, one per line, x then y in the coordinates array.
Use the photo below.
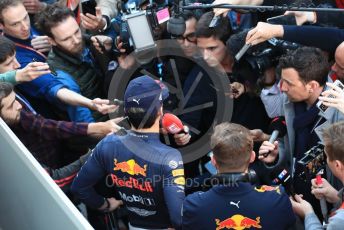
{"type": "Point", "coordinates": [250, 8]}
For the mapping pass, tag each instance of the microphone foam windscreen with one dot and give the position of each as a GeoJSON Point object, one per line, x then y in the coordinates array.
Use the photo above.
{"type": "Point", "coordinates": [278, 123]}
{"type": "Point", "coordinates": [176, 26]}
{"type": "Point", "coordinates": [172, 123]}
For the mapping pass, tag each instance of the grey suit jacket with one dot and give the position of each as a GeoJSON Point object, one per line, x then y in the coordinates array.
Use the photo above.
{"type": "Point", "coordinates": [287, 144]}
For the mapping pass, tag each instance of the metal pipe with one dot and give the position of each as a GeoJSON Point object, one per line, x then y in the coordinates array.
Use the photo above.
{"type": "Point", "coordinates": [261, 8]}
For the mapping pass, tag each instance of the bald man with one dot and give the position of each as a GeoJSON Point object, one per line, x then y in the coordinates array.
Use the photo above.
{"type": "Point", "coordinates": [337, 94]}
{"type": "Point", "coordinates": [338, 66]}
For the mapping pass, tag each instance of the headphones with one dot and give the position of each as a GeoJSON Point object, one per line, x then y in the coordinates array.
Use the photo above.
{"type": "Point", "coordinates": [231, 178]}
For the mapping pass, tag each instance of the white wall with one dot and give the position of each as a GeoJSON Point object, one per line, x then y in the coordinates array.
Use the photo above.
{"type": "Point", "coordinates": [29, 199]}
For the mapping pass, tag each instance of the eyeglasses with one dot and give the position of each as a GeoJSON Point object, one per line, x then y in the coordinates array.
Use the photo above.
{"type": "Point", "coordinates": [190, 37]}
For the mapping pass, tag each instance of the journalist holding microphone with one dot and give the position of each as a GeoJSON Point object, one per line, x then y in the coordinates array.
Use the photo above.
{"type": "Point", "coordinates": [334, 150]}
{"type": "Point", "coordinates": [303, 79]}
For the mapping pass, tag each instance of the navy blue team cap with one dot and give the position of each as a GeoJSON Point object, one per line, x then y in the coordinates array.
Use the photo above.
{"type": "Point", "coordinates": [146, 93]}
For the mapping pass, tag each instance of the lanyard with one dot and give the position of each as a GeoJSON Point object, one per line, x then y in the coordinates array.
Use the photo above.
{"type": "Point", "coordinates": [32, 49]}
{"type": "Point", "coordinates": [28, 106]}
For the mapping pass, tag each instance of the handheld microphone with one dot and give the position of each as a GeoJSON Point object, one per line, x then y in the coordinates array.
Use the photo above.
{"type": "Point", "coordinates": [241, 52]}
{"type": "Point", "coordinates": [172, 123]}
{"type": "Point", "coordinates": [323, 204]}
{"type": "Point", "coordinates": [124, 35]}
{"type": "Point", "coordinates": [284, 178]}
{"type": "Point", "coordinates": [214, 22]}
{"type": "Point", "coordinates": [176, 26]}
{"type": "Point", "coordinates": [278, 129]}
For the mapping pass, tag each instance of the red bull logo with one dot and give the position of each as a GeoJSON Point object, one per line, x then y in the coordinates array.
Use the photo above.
{"type": "Point", "coordinates": [141, 185]}
{"type": "Point", "coordinates": [226, 224]}
{"type": "Point", "coordinates": [238, 222]}
{"type": "Point", "coordinates": [130, 167]}
{"type": "Point", "coordinates": [266, 188]}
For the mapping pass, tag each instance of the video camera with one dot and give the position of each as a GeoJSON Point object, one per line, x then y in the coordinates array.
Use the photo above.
{"type": "Point", "coordinates": [267, 56]}
{"type": "Point", "coordinates": [141, 18]}
{"type": "Point", "coordinates": [314, 161]}
{"type": "Point", "coordinates": [255, 60]}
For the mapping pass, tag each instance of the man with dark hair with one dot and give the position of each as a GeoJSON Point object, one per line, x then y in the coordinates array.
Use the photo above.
{"type": "Point", "coordinates": [303, 76]}
{"type": "Point", "coordinates": [54, 15]}
{"type": "Point", "coordinates": [43, 137]}
{"type": "Point", "coordinates": [333, 140]}
{"type": "Point", "coordinates": [188, 40]}
{"type": "Point", "coordinates": [214, 53]}
{"type": "Point", "coordinates": [70, 52]}
{"type": "Point", "coordinates": [212, 41]}
{"type": "Point", "coordinates": [327, 39]}
{"type": "Point", "coordinates": [233, 202]}
{"type": "Point", "coordinates": [221, 30]}
{"type": "Point", "coordinates": [18, 25]}
{"type": "Point", "coordinates": [15, 22]}
{"type": "Point", "coordinates": [14, 76]}
{"type": "Point", "coordinates": [301, 64]}
{"type": "Point", "coordinates": [147, 174]}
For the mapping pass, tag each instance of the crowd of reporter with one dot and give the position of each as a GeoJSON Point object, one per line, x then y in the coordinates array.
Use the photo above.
{"type": "Point", "coordinates": [58, 63]}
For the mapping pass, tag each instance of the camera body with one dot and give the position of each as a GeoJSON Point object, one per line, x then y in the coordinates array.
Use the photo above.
{"type": "Point", "coordinates": [314, 161]}
{"type": "Point", "coordinates": [136, 22]}
{"type": "Point", "coordinates": [267, 55]}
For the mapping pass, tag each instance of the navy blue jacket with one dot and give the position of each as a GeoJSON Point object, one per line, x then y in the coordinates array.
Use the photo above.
{"type": "Point", "coordinates": [46, 87]}
{"type": "Point", "coordinates": [324, 38]}
{"type": "Point", "coordinates": [241, 206]}
{"type": "Point", "coordinates": [147, 174]}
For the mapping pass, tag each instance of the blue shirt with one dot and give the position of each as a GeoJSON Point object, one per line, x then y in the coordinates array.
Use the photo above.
{"type": "Point", "coordinates": [75, 113]}
{"type": "Point", "coordinates": [46, 86]}
{"type": "Point", "coordinates": [325, 38]}
{"type": "Point", "coordinates": [239, 206]}
{"type": "Point", "coordinates": [42, 87]}
{"type": "Point", "coordinates": [48, 1]}
{"type": "Point", "coordinates": [148, 176]}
